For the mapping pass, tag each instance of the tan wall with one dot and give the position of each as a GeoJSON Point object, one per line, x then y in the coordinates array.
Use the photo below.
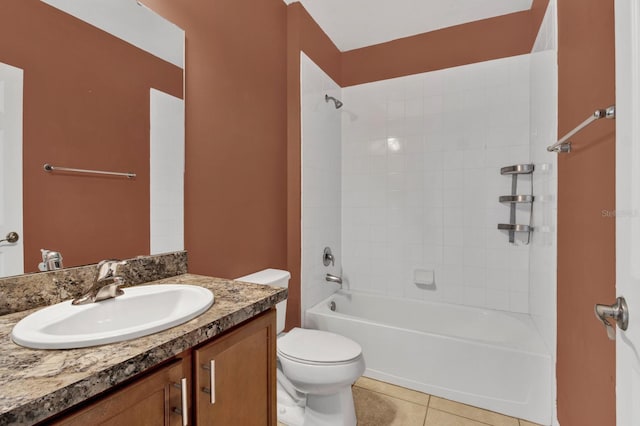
{"type": "Point", "coordinates": [303, 35]}
{"type": "Point", "coordinates": [236, 151]}
{"type": "Point", "coordinates": [86, 105]}
{"type": "Point", "coordinates": [499, 37]}
{"type": "Point", "coordinates": [586, 239]}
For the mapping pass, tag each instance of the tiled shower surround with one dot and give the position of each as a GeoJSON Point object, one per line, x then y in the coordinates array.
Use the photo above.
{"type": "Point", "coordinates": [321, 152]}
{"type": "Point", "coordinates": [421, 159]}
{"type": "Point", "coordinates": [544, 115]}
{"type": "Point", "coordinates": [412, 180]}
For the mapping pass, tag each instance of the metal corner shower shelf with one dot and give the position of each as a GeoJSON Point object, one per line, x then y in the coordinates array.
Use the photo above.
{"type": "Point", "coordinates": [515, 198]}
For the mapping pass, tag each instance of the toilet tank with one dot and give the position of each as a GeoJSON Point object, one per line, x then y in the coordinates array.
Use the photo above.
{"type": "Point", "coordinates": [277, 278]}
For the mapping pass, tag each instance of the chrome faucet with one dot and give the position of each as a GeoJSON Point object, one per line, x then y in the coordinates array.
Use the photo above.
{"type": "Point", "coordinates": [107, 284]}
{"type": "Point", "coordinates": [333, 279]}
{"type": "Point", "coordinates": [51, 260]}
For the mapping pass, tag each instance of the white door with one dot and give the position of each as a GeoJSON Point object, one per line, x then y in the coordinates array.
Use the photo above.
{"type": "Point", "coordinates": [11, 254]}
{"type": "Point", "coordinates": [627, 17]}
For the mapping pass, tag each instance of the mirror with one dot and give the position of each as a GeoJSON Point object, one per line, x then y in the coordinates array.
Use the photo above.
{"type": "Point", "coordinates": [102, 90]}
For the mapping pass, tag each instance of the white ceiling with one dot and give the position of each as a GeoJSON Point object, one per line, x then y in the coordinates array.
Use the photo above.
{"type": "Point", "coordinates": [352, 24]}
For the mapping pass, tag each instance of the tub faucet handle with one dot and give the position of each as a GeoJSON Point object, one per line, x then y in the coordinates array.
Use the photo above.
{"type": "Point", "coordinates": [327, 257]}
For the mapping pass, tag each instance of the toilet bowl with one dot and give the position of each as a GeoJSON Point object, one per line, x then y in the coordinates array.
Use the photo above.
{"type": "Point", "coordinates": [315, 368]}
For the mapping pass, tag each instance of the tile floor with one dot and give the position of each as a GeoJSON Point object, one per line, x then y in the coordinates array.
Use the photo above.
{"type": "Point", "coordinates": [382, 404]}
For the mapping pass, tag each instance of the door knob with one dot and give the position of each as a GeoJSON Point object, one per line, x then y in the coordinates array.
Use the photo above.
{"type": "Point", "coordinates": [618, 311]}
{"type": "Point", "coordinates": [12, 237]}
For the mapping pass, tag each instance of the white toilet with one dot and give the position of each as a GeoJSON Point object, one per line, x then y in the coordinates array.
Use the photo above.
{"type": "Point", "coordinates": [315, 368]}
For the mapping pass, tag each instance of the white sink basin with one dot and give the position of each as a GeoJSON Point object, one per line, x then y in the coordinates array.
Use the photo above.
{"type": "Point", "coordinates": [140, 311]}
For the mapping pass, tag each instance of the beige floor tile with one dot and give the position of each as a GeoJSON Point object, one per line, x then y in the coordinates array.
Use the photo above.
{"type": "Point", "coordinates": [393, 390]}
{"type": "Point", "coordinates": [526, 423]}
{"type": "Point", "coordinates": [376, 409]}
{"type": "Point", "coordinates": [473, 413]}
{"type": "Point", "coordinates": [440, 418]}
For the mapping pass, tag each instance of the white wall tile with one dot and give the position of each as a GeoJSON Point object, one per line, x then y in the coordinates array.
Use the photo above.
{"type": "Point", "coordinates": [475, 296]}
{"type": "Point", "coordinates": [497, 299]}
{"type": "Point", "coordinates": [439, 140]}
{"type": "Point", "coordinates": [543, 132]}
{"type": "Point", "coordinates": [519, 301]}
{"type": "Point", "coordinates": [543, 117]}
{"type": "Point", "coordinates": [454, 295]}
{"type": "Point", "coordinates": [546, 39]}
{"type": "Point", "coordinates": [498, 279]}
{"type": "Point", "coordinates": [474, 276]}
{"type": "Point", "coordinates": [453, 255]}
{"type": "Point", "coordinates": [322, 181]}
{"type": "Point", "coordinates": [474, 256]}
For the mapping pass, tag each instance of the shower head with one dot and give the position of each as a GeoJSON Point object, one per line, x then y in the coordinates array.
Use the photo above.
{"type": "Point", "coordinates": [336, 102]}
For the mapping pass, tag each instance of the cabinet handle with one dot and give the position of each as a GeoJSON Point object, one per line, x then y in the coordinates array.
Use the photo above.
{"type": "Point", "coordinates": [211, 390]}
{"type": "Point", "coordinates": [183, 401]}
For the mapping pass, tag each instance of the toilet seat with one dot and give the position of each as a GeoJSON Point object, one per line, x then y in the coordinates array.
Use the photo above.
{"type": "Point", "coordinates": [316, 363]}
{"type": "Point", "coordinates": [317, 347]}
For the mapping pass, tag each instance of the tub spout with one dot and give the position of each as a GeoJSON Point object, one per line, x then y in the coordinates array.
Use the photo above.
{"type": "Point", "coordinates": [333, 279]}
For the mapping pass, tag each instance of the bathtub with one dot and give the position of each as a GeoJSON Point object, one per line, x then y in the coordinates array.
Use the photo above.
{"type": "Point", "coordinates": [489, 359]}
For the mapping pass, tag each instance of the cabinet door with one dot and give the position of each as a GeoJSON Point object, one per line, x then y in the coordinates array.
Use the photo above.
{"type": "Point", "coordinates": [150, 400]}
{"type": "Point", "coordinates": [235, 376]}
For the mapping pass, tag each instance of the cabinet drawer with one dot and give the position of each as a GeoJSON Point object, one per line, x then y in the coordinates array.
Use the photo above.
{"type": "Point", "coordinates": [150, 400]}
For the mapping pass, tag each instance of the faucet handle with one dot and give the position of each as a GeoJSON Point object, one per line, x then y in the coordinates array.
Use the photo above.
{"type": "Point", "coordinates": [107, 268]}
{"type": "Point", "coordinates": [327, 257]}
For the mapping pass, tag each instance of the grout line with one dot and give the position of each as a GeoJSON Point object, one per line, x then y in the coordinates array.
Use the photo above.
{"type": "Point", "coordinates": [385, 384]}
{"type": "Point", "coordinates": [475, 408]}
{"type": "Point", "coordinates": [398, 398]}
{"type": "Point", "coordinates": [429, 407]}
{"type": "Point", "coordinates": [463, 417]}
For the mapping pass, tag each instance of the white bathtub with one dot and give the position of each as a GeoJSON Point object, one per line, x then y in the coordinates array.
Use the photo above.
{"type": "Point", "coordinates": [489, 359]}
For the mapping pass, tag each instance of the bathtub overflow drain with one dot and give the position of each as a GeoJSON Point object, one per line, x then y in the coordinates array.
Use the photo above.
{"type": "Point", "coordinates": [332, 305]}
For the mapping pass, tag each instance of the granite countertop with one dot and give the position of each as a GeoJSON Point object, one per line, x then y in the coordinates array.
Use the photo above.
{"type": "Point", "coordinates": [37, 384]}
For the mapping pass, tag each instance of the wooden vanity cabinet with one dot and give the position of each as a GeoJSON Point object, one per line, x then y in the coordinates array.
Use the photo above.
{"type": "Point", "coordinates": [234, 376]}
{"type": "Point", "coordinates": [150, 400]}
{"type": "Point", "coordinates": [243, 380]}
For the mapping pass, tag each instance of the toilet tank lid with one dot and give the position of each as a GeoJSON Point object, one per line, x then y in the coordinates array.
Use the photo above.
{"type": "Point", "coordinates": [266, 276]}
